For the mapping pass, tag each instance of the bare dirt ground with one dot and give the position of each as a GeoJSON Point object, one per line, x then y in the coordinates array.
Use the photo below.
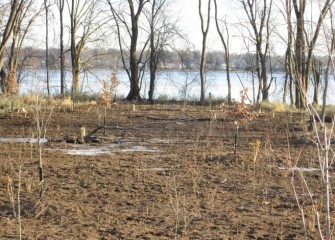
{"type": "Point", "coordinates": [160, 172]}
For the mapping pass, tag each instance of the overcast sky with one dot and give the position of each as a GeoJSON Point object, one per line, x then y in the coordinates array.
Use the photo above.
{"type": "Point", "coordinates": [235, 16]}
{"type": "Point", "coordinates": [189, 23]}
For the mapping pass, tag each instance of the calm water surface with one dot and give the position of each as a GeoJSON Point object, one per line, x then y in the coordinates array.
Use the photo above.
{"type": "Point", "coordinates": [170, 84]}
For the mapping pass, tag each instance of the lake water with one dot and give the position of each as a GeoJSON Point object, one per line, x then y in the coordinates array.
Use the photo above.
{"type": "Point", "coordinates": [170, 84]}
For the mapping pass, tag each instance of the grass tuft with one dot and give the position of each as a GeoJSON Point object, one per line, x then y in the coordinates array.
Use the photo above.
{"type": "Point", "coordinates": [275, 106]}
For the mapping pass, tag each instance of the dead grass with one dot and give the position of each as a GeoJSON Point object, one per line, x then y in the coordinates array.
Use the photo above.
{"type": "Point", "coordinates": [194, 187]}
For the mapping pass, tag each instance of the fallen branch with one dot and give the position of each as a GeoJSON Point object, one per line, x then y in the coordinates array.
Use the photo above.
{"type": "Point", "coordinates": [181, 119]}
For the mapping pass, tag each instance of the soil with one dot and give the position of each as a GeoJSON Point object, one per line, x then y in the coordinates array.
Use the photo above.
{"type": "Point", "coordinates": [161, 172]}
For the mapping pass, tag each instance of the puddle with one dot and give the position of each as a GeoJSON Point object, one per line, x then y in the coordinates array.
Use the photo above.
{"type": "Point", "coordinates": [23, 140]}
{"type": "Point", "coordinates": [139, 149]}
{"type": "Point", "coordinates": [302, 169]}
{"type": "Point", "coordinates": [87, 150]}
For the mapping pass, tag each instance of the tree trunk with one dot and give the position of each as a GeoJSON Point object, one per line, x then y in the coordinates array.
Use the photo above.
{"type": "Point", "coordinates": [287, 72]}
{"type": "Point", "coordinates": [134, 92]}
{"type": "Point", "coordinates": [76, 78]}
{"type": "Point", "coordinates": [3, 77]}
{"type": "Point", "coordinates": [152, 87]}
{"type": "Point", "coordinates": [264, 77]}
{"type": "Point", "coordinates": [204, 30]}
{"type": "Point", "coordinates": [153, 69]}
{"type": "Point", "coordinates": [75, 49]}
{"type": "Point", "coordinates": [228, 77]}
{"type": "Point", "coordinates": [300, 46]}
{"type": "Point", "coordinates": [62, 64]}
{"type": "Point", "coordinates": [47, 45]}
{"type": "Point", "coordinates": [12, 87]}
{"type": "Point", "coordinates": [317, 80]}
{"type": "Point", "coordinates": [202, 71]}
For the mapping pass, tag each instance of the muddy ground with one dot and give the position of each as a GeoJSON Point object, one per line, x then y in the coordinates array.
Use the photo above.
{"type": "Point", "coordinates": [160, 172]}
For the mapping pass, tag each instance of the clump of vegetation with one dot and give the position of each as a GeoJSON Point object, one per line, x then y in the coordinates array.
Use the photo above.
{"type": "Point", "coordinates": [115, 82]}
{"type": "Point", "coordinates": [242, 112]}
{"type": "Point", "coordinates": [105, 97]}
{"type": "Point", "coordinates": [276, 106]}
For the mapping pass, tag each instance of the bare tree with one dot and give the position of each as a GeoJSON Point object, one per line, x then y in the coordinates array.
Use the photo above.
{"type": "Point", "coordinates": [316, 73]}
{"type": "Point", "coordinates": [23, 23]}
{"type": "Point", "coordinates": [46, 7]}
{"type": "Point", "coordinates": [225, 43]}
{"type": "Point", "coordinates": [258, 13]}
{"type": "Point", "coordinates": [300, 49]}
{"type": "Point", "coordinates": [289, 82]}
{"type": "Point", "coordinates": [204, 30]}
{"type": "Point", "coordinates": [154, 51]}
{"type": "Point", "coordinates": [188, 81]}
{"type": "Point", "coordinates": [61, 46]}
{"type": "Point", "coordinates": [330, 63]}
{"type": "Point", "coordinates": [129, 19]}
{"type": "Point", "coordinates": [84, 22]}
{"type": "Point", "coordinates": [10, 11]}
{"type": "Point", "coordinates": [304, 49]}
{"type": "Point", "coordinates": [162, 33]}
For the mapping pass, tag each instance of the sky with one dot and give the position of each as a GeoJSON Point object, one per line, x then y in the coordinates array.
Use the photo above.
{"type": "Point", "coordinates": [189, 23]}
{"type": "Point", "coordinates": [233, 13]}
{"type": "Point", "coordinates": [228, 10]}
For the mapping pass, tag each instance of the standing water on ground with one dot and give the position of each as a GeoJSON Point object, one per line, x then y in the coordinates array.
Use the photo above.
{"type": "Point", "coordinates": [23, 140]}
